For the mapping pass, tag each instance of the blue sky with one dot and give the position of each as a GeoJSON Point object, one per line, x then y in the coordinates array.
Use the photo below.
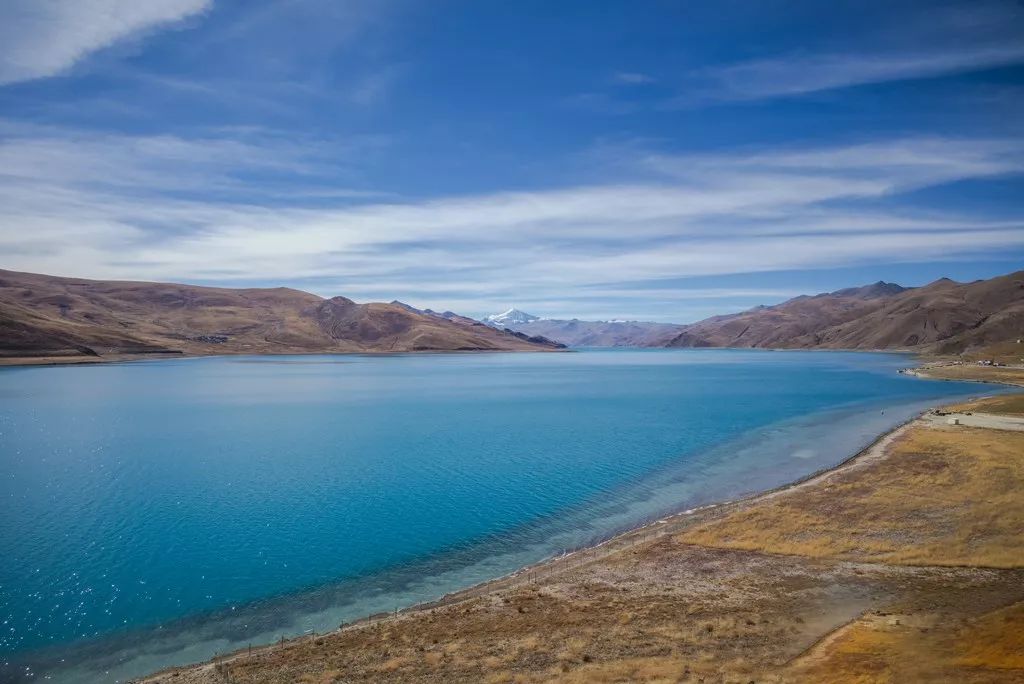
{"type": "Point", "coordinates": [658, 160]}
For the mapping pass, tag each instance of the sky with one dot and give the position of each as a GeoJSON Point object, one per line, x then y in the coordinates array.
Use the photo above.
{"type": "Point", "coordinates": [613, 160]}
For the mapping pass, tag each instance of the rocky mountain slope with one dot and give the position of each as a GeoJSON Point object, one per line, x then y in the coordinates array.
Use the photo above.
{"type": "Point", "coordinates": [942, 317]}
{"type": "Point", "coordinates": [67, 317]}
{"type": "Point", "coordinates": [490, 321]}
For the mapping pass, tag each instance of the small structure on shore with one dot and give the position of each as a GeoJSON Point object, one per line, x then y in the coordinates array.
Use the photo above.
{"type": "Point", "coordinates": [953, 421]}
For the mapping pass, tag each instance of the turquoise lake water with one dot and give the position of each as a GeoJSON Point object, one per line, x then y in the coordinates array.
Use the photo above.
{"type": "Point", "coordinates": [159, 512]}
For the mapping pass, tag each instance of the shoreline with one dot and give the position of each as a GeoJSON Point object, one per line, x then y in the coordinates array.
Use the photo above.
{"type": "Point", "coordinates": [49, 361]}
{"type": "Point", "coordinates": [194, 644]}
{"type": "Point", "coordinates": [923, 372]}
{"type": "Point", "coordinates": [671, 523]}
{"type": "Point", "coordinates": [61, 360]}
{"type": "Point", "coordinates": [771, 584]}
{"type": "Point", "coordinates": [653, 527]}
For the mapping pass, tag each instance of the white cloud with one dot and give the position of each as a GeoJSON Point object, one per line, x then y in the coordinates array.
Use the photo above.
{"type": "Point", "coordinates": [862, 169]}
{"type": "Point", "coordinates": [40, 38]}
{"type": "Point", "coordinates": [111, 207]}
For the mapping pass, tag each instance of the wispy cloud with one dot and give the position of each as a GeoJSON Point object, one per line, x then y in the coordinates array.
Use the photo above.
{"type": "Point", "coordinates": [881, 167]}
{"type": "Point", "coordinates": [800, 74]}
{"type": "Point", "coordinates": [371, 89]}
{"type": "Point", "coordinates": [632, 78]}
{"type": "Point", "coordinates": [672, 217]}
{"type": "Point", "coordinates": [902, 45]}
{"type": "Point", "coordinates": [39, 39]}
{"type": "Point", "coordinates": [927, 41]}
{"type": "Point", "coordinates": [223, 162]}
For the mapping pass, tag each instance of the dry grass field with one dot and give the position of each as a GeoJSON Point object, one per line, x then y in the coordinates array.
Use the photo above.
{"type": "Point", "coordinates": [1001, 405]}
{"type": "Point", "coordinates": [944, 495]}
{"type": "Point", "coordinates": [986, 647]}
{"type": "Point", "coordinates": [1009, 375]}
{"type": "Point", "coordinates": [904, 565]}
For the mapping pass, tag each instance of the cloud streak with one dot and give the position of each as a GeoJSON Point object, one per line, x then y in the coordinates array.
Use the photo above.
{"type": "Point", "coordinates": [799, 75]}
{"type": "Point", "coordinates": [40, 39]}
{"type": "Point", "coordinates": [676, 217]}
{"type": "Point", "coordinates": [935, 41]}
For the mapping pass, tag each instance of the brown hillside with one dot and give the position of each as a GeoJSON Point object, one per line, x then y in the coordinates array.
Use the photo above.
{"type": "Point", "coordinates": [942, 317]}
{"type": "Point", "coordinates": [783, 324]}
{"type": "Point", "coordinates": [67, 317]}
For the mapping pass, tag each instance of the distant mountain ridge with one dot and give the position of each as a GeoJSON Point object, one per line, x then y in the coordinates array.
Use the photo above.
{"type": "Point", "coordinates": [577, 333]}
{"type": "Point", "coordinates": [943, 317]}
{"type": "Point", "coordinates": [451, 316]}
{"type": "Point", "coordinates": [69, 317]}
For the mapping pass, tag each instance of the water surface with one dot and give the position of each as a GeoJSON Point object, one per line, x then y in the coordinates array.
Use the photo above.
{"type": "Point", "coordinates": [159, 512]}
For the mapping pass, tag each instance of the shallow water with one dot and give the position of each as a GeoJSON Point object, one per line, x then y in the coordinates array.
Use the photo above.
{"type": "Point", "coordinates": [159, 512]}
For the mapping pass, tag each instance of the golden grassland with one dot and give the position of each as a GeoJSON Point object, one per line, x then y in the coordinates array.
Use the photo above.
{"type": "Point", "coordinates": [1010, 375]}
{"type": "Point", "coordinates": [1002, 405]}
{"type": "Point", "coordinates": [929, 647]}
{"type": "Point", "coordinates": [905, 565]}
{"type": "Point", "coordinates": [943, 496]}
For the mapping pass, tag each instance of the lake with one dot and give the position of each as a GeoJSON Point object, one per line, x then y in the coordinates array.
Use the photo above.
{"type": "Point", "coordinates": [158, 512]}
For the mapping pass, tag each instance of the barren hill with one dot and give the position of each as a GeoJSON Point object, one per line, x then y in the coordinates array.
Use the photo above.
{"type": "Point", "coordinates": [67, 317]}
{"type": "Point", "coordinates": [943, 317]}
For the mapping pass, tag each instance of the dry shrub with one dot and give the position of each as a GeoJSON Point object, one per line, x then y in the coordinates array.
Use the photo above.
{"type": "Point", "coordinates": [393, 664]}
{"type": "Point", "coordinates": [649, 670]}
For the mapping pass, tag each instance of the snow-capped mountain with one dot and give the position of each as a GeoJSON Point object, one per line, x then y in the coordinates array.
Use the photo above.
{"type": "Point", "coordinates": [577, 333]}
{"type": "Point", "coordinates": [510, 317]}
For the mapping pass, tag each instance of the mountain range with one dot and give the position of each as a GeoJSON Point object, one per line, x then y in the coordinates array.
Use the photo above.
{"type": "Point", "coordinates": [577, 333]}
{"type": "Point", "coordinates": [943, 317]}
{"type": "Point", "coordinates": [48, 316]}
